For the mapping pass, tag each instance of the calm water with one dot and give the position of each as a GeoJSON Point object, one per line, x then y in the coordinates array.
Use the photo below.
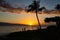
{"type": "Point", "coordinates": [9, 29]}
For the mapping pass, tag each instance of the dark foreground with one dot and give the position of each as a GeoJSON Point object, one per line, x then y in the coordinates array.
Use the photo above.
{"type": "Point", "coordinates": [51, 33]}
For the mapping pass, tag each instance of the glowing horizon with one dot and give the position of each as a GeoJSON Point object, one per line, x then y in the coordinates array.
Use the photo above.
{"type": "Point", "coordinates": [27, 19]}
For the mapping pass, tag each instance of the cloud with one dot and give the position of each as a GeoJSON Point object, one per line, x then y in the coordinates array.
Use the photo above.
{"type": "Point", "coordinates": [11, 9]}
{"type": "Point", "coordinates": [7, 7]}
{"type": "Point", "coordinates": [18, 5]}
{"type": "Point", "coordinates": [51, 11]}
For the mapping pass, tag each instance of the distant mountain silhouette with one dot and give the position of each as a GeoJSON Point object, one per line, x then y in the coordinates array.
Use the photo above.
{"type": "Point", "coordinates": [10, 24]}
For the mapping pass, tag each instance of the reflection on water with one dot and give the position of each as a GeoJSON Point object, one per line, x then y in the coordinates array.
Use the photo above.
{"type": "Point", "coordinates": [9, 29]}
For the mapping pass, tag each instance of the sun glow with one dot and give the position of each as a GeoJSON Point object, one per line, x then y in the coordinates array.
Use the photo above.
{"type": "Point", "coordinates": [30, 23]}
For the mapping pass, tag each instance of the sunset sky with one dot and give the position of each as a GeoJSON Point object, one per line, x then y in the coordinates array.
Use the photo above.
{"type": "Point", "coordinates": [25, 18]}
{"type": "Point", "coordinates": [49, 4]}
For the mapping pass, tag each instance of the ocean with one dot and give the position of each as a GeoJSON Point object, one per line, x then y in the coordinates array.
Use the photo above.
{"type": "Point", "coordinates": [4, 30]}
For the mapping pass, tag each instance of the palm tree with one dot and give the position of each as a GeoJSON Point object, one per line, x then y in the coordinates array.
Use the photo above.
{"type": "Point", "coordinates": [57, 7]}
{"type": "Point", "coordinates": [35, 7]}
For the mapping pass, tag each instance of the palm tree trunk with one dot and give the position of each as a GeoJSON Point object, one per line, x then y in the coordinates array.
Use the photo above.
{"type": "Point", "coordinates": [38, 20]}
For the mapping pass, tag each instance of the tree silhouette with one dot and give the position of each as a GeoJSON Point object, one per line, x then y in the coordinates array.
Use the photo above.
{"type": "Point", "coordinates": [57, 7]}
{"type": "Point", "coordinates": [54, 19]}
{"type": "Point", "coordinates": [35, 7]}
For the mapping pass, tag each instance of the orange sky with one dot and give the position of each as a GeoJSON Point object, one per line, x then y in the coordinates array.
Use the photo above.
{"type": "Point", "coordinates": [29, 19]}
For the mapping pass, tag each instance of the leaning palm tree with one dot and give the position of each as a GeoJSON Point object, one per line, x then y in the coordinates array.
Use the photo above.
{"type": "Point", "coordinates": [35, 7]}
